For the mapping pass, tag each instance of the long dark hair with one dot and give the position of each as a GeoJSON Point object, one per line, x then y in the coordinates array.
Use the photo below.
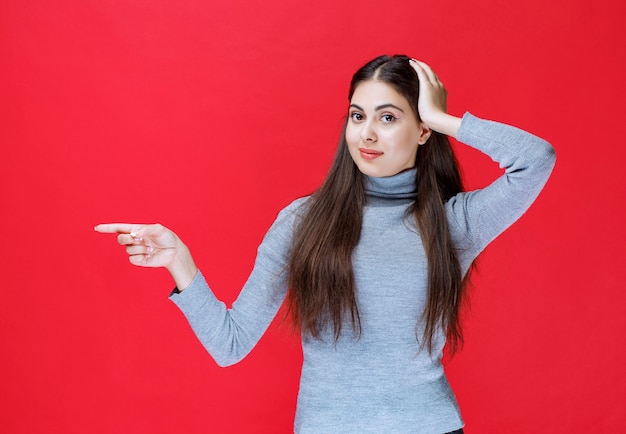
{"type": "Point", "coordinates": [321, 277]}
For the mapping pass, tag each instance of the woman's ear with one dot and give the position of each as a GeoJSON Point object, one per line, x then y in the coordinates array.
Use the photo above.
{"type": "Point", "coordinates": [424, 134]}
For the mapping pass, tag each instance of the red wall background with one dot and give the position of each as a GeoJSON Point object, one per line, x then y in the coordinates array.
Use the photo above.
{"type": "Point", "coordinates": [209, 117]}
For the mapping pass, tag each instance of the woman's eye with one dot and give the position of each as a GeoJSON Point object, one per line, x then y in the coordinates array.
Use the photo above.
{"type": "Point", "coordinates": [356, 116]}
{"type": "Point", "coordinates": [388, 118]}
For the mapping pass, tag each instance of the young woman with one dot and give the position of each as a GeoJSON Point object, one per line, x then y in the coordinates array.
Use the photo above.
{"type": "Point", "coordinates": [373, 263]}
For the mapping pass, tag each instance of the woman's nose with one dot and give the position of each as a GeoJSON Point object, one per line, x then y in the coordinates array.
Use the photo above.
{"type": "Point", "coordinates": [368, 134]}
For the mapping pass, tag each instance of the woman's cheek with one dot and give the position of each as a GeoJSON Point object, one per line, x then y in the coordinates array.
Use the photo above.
{"type": "Point", "coordinates": [352, 139]}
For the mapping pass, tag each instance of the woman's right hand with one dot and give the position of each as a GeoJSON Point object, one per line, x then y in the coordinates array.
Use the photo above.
{"type": "Point", "coordinates": [154, 246]}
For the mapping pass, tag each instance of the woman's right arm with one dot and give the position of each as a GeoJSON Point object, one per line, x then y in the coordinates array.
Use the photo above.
{"type": "Point", "coordinates": [228, 334]}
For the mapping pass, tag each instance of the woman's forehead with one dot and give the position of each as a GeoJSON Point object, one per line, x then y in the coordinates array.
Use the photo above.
{"type": "Point", "coordinates": [373, 93]}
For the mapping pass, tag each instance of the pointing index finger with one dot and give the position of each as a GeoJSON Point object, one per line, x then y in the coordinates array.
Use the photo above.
{"type": "Point", "coordinates": [116, 228]}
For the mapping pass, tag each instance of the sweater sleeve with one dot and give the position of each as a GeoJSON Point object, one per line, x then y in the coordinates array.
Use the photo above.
{"type": "Point", "coordinates": [479, 216]}
{"type": "Point", "coordinates": [230, 334]}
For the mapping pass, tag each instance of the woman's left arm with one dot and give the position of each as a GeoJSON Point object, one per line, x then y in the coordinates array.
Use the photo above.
{"type": "Point", "coordinates": [483, 214]}
{"type": "Point", "coordinates": [527, 161]}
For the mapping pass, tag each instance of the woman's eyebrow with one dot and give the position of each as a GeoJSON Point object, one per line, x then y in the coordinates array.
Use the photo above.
{"type": "Point", "coordinates": [377, 108]}
{"type": "Point", "coordinates": [383, 106]}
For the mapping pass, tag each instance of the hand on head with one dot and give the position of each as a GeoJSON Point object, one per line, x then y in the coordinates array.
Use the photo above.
{"type": "Point", "coordinates": [433, 95]}
{"type": "Point", "coordinates": [432, 103]}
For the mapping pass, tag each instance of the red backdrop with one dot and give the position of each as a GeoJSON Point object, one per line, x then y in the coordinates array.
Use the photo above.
{"type": "Point", "coordinates": [209, 117]}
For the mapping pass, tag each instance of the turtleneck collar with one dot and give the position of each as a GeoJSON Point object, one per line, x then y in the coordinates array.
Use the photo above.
{"type": "Point", "coordinates": [400, 186]}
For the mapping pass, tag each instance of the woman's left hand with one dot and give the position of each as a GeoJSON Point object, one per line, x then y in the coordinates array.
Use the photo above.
{"type": "Point", "coordinates": [432, 104]}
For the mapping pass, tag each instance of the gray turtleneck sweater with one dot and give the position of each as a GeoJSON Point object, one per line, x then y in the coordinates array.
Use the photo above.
{"type": "Point", "coordinates": [380, 382]}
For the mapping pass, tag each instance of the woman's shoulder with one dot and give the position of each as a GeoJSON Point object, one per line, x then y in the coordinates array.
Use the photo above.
{"type": "Point", "coordinates": [288, 216]}
{"type": "Point", "coordinates": [280, 234]}
{"type": "Point", "coordinates": [297, 204]}
{"type": "Point", "coordinates": [296, 208]}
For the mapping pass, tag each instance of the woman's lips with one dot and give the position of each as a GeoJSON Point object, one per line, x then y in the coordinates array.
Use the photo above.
{"type": "Point", "coordinates": [369, 154]}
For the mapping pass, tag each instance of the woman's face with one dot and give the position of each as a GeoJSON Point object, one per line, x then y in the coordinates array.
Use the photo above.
{"type": "Point", "coordinates": [382, 133]}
